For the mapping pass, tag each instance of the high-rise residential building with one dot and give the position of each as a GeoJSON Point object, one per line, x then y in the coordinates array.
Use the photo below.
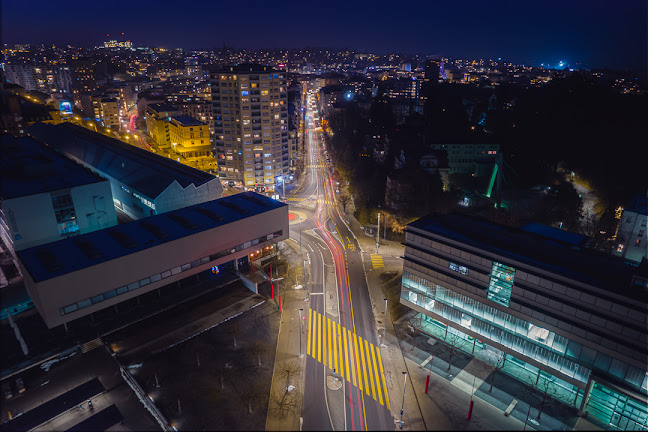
{"type": "Point", "coordinates": [432, 70]}
{"type": "Point", "coordinates": [84, 75]}
{"type": "Point", "coordinates": [539, 306]}
{"type": "Point", "coordinates": [21, 74]}
{"type": "Point", "coordinates": [250, 124]}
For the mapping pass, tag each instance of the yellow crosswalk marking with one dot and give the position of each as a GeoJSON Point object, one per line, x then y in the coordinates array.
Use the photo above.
{"type": "Point", "coordinates": [335, 351]}
{"type": "Point", "coordinates": [352, 361]}
{"type": "Point", "coordinates": [319, 338]}
{"type": "Point", "coordinates": [377, 261]}
{"type": "Point", "coordinates": [375, 368]}
{"type": "Point", "coordinates": [382, 375]}
{"type": "Point", "coordinates": [308, 343]}
{"type": "Point", "coordinates": [336, 346]}
{"type": "Point", "coordinates": [346, 354]}
{"type": "Point", "coordinates": [371, 378]}
{"type": "Point", "coordinates": [357, 358]}
{"type": "Point", "coordinates": [330, 363]}
{"type": "Point", "coordinates": [364, 367]}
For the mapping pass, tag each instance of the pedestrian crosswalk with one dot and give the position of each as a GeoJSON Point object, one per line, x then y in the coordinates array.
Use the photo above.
{"type": "Point", "coordinates": [317, 166]}
{"type": "Point", "coordinates": [320, 201]}
{"type": "Point", "coordinates": [377, 261]}
{"type": "Point", "coordinates": [348, 355]}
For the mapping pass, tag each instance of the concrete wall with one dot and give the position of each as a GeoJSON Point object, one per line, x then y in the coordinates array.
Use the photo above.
{"type": "Point", "coordinates": [51, 295]}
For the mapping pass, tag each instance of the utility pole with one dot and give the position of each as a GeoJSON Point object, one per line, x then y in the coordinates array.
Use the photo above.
{"type": "Point", "coordinates": [403, 404]}
{"type": "Point", "coordinates": [378, 233]}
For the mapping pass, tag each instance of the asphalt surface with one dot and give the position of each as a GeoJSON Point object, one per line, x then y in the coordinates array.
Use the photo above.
{"type": "Point", "coordinates": [337, 272]}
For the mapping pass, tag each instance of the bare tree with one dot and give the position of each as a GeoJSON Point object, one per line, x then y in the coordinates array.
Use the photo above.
{"type": "Point", "coordinates": [454, 343]}
{"type": "Point", "coordinates": [259, 348]}
{"type": "Point", "coordinates": [234, 330]}
{"type": "Point", "coordinates": [287, 370]}
{"type": "Point", "coordinates": [283, 403]}
{"type": "Point", "coordinates": [226, 370]}
{"type": "Point", "coordinates": [344, 199]}
{"type": "Point", "coordinates": [249, 397]}
{"type": "Point", "coordinates": [546, 393]}
{"type": "Point", "coordinates": [497, 363]}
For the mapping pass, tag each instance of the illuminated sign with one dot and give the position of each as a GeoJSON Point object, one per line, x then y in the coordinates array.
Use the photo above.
{"type": "Point", "coordinates": [65, 107]}
{"type": "Point", "coordinates": [215, 270]}
{"type": "Point", "coordinates": [501, 284]}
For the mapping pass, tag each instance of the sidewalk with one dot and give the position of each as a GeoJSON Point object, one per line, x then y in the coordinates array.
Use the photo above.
{"type": "Point", "coordinates": [287, 351]}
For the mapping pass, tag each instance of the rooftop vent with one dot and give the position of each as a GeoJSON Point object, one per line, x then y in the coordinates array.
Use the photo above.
{"type": "Point", "coordinates": [122, 238]}
{"type": "Point", "coordinates": [154, 229]}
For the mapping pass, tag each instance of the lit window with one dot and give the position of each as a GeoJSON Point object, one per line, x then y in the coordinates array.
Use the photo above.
{"type": "Point", "coordinates": [501, 283]}
{"type": "Point", "coordinates": [620, 247]}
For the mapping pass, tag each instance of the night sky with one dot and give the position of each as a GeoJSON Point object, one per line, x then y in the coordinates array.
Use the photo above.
{"type": "Point", "coordinates": [594, 33]}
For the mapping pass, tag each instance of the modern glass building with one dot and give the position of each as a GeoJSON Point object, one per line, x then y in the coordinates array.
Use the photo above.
{"type": "Point", "coordinates": [562, 317]}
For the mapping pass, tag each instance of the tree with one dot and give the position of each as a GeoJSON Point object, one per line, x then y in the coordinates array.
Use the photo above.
{"type": "Point", "coordinates": [344, 200]}
{"type": "Point", "coordinates": [258, 349]}
{"type": "Point", "coordinates": [226, 370]}
{"type": "Point", "coordinates": [545, 393]}
{"type": "Point", "coordinates": [249, 397]}
{"type": "Point", "coordinates": [283, 403]}
{"type": "Point", "coordinates": [234, 330]}
{"type": "Point", "coordinates": [454, 343]}
{"type": "Point", "coordinates": [287, 370]}
{"type": "Point", "coordinates": [497, 363]}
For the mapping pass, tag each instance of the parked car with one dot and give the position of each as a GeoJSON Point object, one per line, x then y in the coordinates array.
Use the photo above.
{"type": "Point", "coordinates": [20, 385]}
{"type": "Point", "coordinates": [6, 390]}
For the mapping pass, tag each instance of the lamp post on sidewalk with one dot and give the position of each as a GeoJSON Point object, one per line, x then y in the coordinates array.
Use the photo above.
{"type": "Point", "coordinates": [403, 404]}
{"type": "Point", "coordinates": [300, 332]}
{"type": "Point", "coordinates": [385, 326]}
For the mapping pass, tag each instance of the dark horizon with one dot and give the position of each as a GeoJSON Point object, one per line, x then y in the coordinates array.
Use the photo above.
{"type": "Point", "coordinates": [593, 34]}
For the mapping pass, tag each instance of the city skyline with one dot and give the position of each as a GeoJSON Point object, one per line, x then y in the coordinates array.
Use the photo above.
{"type": "Point", "coordinates": [590, 35]}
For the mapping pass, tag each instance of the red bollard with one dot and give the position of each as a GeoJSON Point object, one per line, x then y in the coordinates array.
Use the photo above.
{"type": "Point", "coordinates": [470, 409]}
{"type": "Point", "coordinates": [279, 302]}
{"type": "Point", "coordinates": [427, 383]}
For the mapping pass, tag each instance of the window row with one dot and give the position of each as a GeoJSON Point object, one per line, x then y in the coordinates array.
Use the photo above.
{"type": "Point", "coordinates": [163, 275]}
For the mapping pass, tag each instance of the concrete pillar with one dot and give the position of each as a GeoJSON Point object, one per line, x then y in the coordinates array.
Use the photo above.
{"type": "Point", "coordinates": [586, 394]}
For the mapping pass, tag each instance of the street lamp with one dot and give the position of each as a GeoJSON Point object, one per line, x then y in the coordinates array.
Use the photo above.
{"type": "Point", "coordinates": [403, 404]}
{"type": "Point", "coordinates": [300, 332]}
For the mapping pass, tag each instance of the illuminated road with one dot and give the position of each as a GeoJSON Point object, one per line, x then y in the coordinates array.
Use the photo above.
{"type": "Point", "coordinates": [345, 381]}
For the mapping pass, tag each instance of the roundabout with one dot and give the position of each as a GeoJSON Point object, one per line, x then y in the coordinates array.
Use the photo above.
{"type": "Point", "coordinates": [294, 215]}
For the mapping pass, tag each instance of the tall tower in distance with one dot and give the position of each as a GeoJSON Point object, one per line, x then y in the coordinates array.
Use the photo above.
{"type": "Point", "coordinates": [250, 124]}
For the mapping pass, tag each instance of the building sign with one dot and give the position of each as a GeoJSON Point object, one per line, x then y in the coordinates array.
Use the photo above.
{"type": "Point", "coordinates": [501, 283]}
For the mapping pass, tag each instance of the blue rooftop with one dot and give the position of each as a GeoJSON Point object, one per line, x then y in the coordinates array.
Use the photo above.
{"type": "Point", "coordinates": [75, 253]}
{"type": "Point", "coordinates": [28, 167]}
{"type": "Point", "coordinates": [535, 249]}
{"type": "Point", "coordinates": [145, 172]}
{"type": "Point", "coordinates": [554, 233]}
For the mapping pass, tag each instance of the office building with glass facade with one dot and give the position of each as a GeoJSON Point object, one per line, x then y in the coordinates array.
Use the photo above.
{"type": "Point", "coordinates": [561, 316]}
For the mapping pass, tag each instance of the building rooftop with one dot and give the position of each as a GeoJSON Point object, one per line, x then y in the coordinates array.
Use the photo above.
{"type": "Point", "coordinates": [188, 121]}
{"type": "Point", "coordinates": [163, 107]}
{"type": "Point", "coordinates": [540, 248]}
{"type": "Point", "coordinates": [145, 172]}
{"type": "Point", "coordinates": [639, 204]}
{"type": "Point", "coordinates": [246, 68]}
{"type": "Point", "coordinates": [28, 167]}
{"type": "Point", "coordinates": [75, 253]}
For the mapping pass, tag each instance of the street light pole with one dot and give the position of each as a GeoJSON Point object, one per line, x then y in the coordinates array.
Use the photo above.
{"type": "Point", "coordinates": [385, 326]}
{"type": "Point", "coordinates": [403, 404]}
{"type": "Point", "coordinates": [300, 332]}
{"type": "Point", "coordinates": [378, 233]}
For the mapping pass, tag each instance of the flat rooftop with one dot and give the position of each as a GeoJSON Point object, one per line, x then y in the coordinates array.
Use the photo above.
{"type": "Point", "coordinates": [549, 252]}
{"type": "Point", "coordinates": [163, 107]}
{"type": "Point", "coordinates": [76, 253]}
{"type": "Point", "coordinates": [148, 173]}
{"type": "Point", "coordinates": [28, 167]}
{"type": "Point", "coordinates": [188, 121]}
